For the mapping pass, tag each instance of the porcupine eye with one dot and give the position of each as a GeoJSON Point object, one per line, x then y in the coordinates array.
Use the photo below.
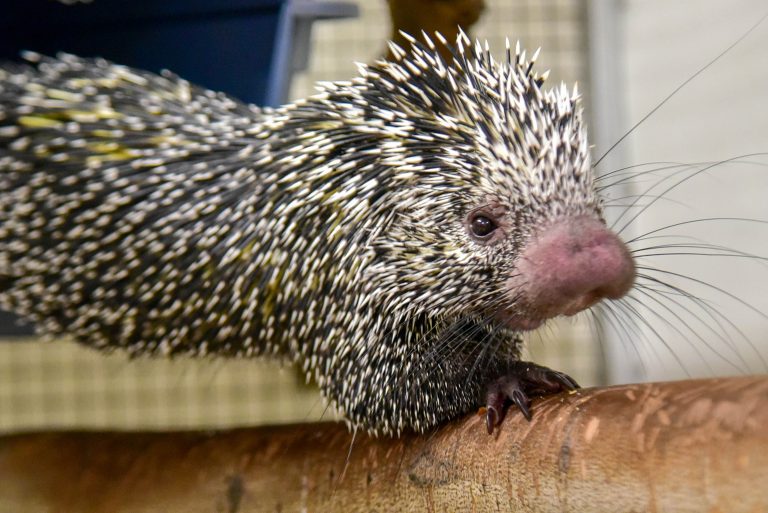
{"type": "Point", "coordinates": [481, 226]}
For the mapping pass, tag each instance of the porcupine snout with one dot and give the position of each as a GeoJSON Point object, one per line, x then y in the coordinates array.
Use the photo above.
{"type": "Point", "coordinates": [567, 267]}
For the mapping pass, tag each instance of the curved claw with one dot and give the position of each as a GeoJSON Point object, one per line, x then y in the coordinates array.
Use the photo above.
{"type": "Point", "coordinates": [567, 381]}
{"type": "Point", "coordinates": [491, 418]}
{"type": "Point", "coordinates": [522, 402]}
{"type": "Point", "coordinates": [555, 380]}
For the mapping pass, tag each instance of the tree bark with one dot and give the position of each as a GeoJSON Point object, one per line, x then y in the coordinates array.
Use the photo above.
{"type": "Point", "coordinates": [682, 446]}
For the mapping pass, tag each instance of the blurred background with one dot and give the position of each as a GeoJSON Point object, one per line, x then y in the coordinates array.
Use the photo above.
{"type": "Point", "coordinates": [626, 56]}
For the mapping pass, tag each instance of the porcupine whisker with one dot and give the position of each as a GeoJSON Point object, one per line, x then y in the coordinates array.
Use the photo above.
{"type": "Point", "coordinates": [450, 338]}
{"type": "Point", "coordinates": [674, 237]}
{"type": "Point", "coordinates": [469, 342]}
{"type": "Point", "coordinates": [596, 330]}
{"type": "Point", "coordinates": [654, 198]}
{"type": "Point", "coordinates": [632, 170]}
{"type": "Point", "coordinates": [634, 177]}
{"type": "Point", "coordinates": [486, 348]}
{"type": "Point", "coordinates": [627, 173]}
{"type": "Point", "coordinates": [349, 455]}
{"type": "Point", "coordinates": [712, 250]}
{"type": "Point", "coordinates": [677, 184]}
{"type": "Point", "coordinates": [483, 318]}
{"type": "Point", "coordinates": [710, 311]}
{"type": "Point", "coordinates": [328, 405]}
{"type": "Point", "coordinates": [682, 85]}
{"type": "Point", "coordinates": [636, 314]}
{"type": "Point", "coordinates": [486, 323]}
{"type": "Point", "coordinates": [708, 285]}
{"type": "Point", "coordinates": [395, 330]}
{"type": "Point", "coordinates": [713, 313]}
{"type": "Point", "coordinates": [646, 193]}
{"type": "Point", "coordinates": [447, 345]}
{"type": "Point", "coordinates": [706, 250]}
{"type": "Point", "coordinates": [613, 203]}
{"type": "Point", "coordinates": [688, 243]}
{"type": "Point", "coordinates": [675, 294]}
{"type": "Point", "coordinates": [436, 353]}
{"type": "Point", "coordinates": [629, 317]}
{"type": "Point", "coordinates": [666, 321]}
{"type": "Point", "coordinates": [677, 297]}
{"type": "Point", "coordinates": [476, 338]}
{"type": "Point", "coordinates": [538, 333]}
{"type": "Point", "coordinates": [433, 329]}
{"type": "Point", "coordinates": [621, 321]}
{"type": "Point", "coordinates": [694, 221]}
{"type": "Point", "coordinates": [695, 333]}
{"type": "Point", "coordinates": [722, 321]}
{"type": "Point", "coordinates": [437, 326]}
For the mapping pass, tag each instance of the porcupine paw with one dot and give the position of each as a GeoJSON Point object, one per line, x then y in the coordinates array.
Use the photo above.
{"type": "Point", "coordinates": [521, 380]}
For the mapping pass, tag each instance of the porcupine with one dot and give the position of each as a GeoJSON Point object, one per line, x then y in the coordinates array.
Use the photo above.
{"type": "Point", "coordinates": [393, 234]}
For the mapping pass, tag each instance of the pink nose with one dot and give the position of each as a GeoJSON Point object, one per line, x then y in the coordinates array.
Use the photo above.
{"type": "Point", "coordinates": [571, 265]}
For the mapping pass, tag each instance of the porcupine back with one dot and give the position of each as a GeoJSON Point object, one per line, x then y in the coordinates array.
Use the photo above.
{"type": "Point", "coordinates": [117, 187]}
{"type": "Point", "coordinates": [147, 213]}
{"type": "Point", "coordinates": [142, 212]}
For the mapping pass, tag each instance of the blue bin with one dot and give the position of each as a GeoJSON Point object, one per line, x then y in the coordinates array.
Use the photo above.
{"type": "Point", "coordinates": [246, 48]}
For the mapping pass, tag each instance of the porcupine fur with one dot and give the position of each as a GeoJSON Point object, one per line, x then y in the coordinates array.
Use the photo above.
{"type": "Point", "coordinates": [141, 212]}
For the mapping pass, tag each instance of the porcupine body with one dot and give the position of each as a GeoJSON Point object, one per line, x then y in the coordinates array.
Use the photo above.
{"type": "Point", "coordinates": [371, 234]}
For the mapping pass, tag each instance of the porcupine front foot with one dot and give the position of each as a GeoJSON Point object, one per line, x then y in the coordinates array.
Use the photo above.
{"type": "Point", "coordinates": [521, 380]}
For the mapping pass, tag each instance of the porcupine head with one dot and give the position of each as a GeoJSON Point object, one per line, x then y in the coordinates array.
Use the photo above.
{"type": "Point", "coordinates": [393, 235]}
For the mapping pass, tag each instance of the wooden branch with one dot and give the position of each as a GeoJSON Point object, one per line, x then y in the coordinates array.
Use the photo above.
{"type": "Point", "coordinates": [683, 446]}
{"type": "Point", "coordinates": [430, 16]}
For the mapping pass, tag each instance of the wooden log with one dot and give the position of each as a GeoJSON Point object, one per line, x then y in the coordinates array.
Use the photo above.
{"type": "Point", "coordinates": [698, 446]}
{"type": "Point", "coordinates": [416, 16]}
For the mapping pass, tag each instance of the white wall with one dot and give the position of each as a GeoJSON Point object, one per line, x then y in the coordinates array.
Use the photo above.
{"type": "Point", "coordinates": [721, 114]}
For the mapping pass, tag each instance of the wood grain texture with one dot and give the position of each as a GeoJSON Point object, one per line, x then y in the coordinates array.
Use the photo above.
{"type": "Point", "coordinates": [681, 446]}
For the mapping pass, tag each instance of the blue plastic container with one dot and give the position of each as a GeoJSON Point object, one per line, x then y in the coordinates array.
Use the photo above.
{"type": "Point", "coordinates": [247, 48]}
